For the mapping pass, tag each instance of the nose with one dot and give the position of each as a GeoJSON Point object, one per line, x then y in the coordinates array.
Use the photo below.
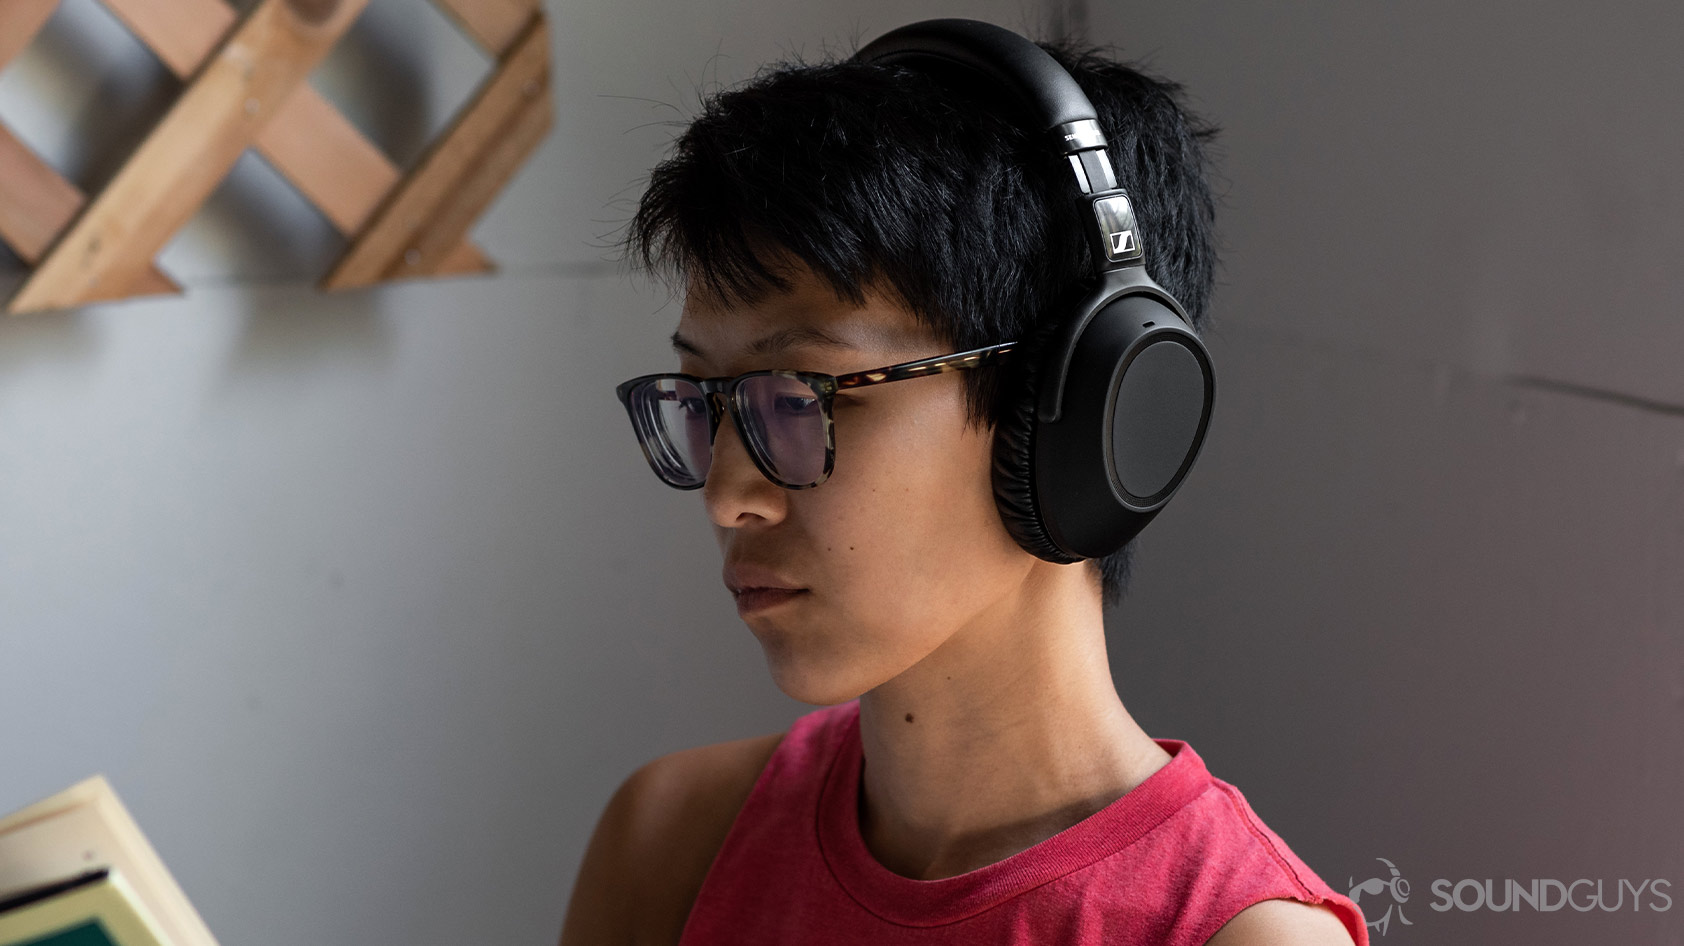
{"type": "Point", "coordinates": [736, 494]}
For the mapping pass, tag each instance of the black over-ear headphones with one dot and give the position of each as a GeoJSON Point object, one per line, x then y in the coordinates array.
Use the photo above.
{"type": "Point", "coordinates": [1115, 395]}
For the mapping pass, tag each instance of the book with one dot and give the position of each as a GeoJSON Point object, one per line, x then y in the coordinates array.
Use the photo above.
{"type": "Point", "coordinates": [75, 870]}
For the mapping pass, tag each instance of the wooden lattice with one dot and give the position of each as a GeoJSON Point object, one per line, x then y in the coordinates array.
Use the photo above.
{"type": "Point", "coordinates": [245, 88]}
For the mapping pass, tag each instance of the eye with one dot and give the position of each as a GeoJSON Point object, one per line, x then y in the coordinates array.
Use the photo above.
{"type": "Point", "coordinates": [795, 404]}
{"type": "Point", "coordinates": [694, 406]}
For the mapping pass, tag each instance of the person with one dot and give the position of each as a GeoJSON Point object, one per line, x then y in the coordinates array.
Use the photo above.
{"type": "Point", "coordinates": [972, 774]}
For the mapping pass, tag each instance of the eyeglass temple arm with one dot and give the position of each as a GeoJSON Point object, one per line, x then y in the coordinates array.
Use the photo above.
{"type": "Point", "coordinates": [925, 366]}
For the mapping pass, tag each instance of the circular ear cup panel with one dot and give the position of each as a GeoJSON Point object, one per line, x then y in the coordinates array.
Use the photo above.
{"type": "Point", "coordinates": [1133, 414]}
{"type": "Point", "coordinates": [1157, 420]}
{"type": "Point", "coordinates": [1014, 450]}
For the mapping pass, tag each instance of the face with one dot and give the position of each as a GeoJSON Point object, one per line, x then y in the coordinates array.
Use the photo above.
{"type": "Point", "coordinates": [902, 547]}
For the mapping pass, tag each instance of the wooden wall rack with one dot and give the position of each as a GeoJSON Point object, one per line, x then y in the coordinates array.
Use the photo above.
{"type": "Point", "coordinates": [245, 88]}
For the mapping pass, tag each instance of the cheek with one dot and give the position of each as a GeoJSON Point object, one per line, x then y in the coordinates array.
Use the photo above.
{"type": "Point", "coordinates": [913, 509]}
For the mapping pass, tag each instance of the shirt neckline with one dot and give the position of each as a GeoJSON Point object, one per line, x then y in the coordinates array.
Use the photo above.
{"type": "Point", "coordinates": [911, 902]}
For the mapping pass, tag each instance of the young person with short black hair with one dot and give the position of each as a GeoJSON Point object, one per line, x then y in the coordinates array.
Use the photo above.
{"type": "Point", "coordinates": [972, 775]}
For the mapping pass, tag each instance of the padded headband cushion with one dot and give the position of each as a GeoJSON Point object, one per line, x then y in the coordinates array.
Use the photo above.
{"type": "Point", "coordinates": [1017, 65]}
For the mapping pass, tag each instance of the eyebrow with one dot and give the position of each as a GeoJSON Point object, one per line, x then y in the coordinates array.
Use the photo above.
{"type": "Point", "coordinates": [775, 342]}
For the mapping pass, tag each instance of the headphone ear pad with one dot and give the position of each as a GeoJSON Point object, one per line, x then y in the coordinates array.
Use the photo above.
{"type": "Point", "coordinates": [1014, 450]}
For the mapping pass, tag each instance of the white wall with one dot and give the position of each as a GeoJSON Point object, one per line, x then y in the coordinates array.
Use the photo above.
{"type": "Point", "coordinates": [365, 602]}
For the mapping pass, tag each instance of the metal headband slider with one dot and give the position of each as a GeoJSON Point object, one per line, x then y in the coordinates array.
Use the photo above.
{"type": "Point", "coordinates": [1084, 145]}
{"type": "Point", "coordinates": [1082, 135]}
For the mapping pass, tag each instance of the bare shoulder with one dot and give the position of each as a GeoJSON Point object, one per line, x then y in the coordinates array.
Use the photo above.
{"type": "Point", "coordinates": [1283, 922]}
{"type": "Point", "coordinates": [655, 841]}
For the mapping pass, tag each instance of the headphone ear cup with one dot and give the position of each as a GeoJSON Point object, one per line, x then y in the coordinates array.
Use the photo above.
{"type": "Point", "coordinates": [1014, 450]}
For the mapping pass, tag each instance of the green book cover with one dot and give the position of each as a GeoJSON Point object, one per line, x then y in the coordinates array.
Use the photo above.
{"type": "Point", "coordinates": [99, 909]}
{"type": "Point", "coordinates": [90, 933]}
{"type": "Point", "coordinates": [80, 850]}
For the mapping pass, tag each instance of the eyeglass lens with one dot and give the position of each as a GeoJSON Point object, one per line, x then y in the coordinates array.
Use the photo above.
{"type": "Point", "coordinates": [783, 418]}
{"type": "Point", "coordinates": [671, 417]}
{"type": "Point", "coordinates": [786, 424]}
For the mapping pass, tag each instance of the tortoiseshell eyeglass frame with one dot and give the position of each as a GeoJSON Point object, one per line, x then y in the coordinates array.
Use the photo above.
{"type": "Point", "coordinates": [721, 394]}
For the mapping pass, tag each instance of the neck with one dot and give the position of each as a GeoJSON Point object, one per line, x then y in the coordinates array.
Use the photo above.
{"type": "Point", "coordinates": [1007, 734]}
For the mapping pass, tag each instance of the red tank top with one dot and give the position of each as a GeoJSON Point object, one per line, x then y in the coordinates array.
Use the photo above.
{"type": "Point", "coordinates": [1164, 865]}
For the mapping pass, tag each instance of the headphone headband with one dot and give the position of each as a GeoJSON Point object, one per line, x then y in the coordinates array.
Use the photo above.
{"type": "Point", "coordinates": [1056, 106]}
{"type": "Point", "coordinates": [1045, 88]}
{"type": "Point", "coordinates": [1113, 404]}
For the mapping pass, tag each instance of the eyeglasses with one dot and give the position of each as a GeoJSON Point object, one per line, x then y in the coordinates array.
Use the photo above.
{"type": "Point", "coordinates": [782, 417]}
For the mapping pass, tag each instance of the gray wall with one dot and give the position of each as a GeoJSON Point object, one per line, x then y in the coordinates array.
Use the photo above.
{"type": "Point", "coordinates": [1424, 598]}
{"type": "Point", "coordinates": [366, 602]}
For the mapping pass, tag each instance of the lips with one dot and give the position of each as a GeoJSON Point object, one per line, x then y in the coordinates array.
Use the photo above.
{"type": "Point", "coordinates": [741, 577]}
{"type": "Point", "coordinates": [750, 600]}
{"type": "Point", "coordinates": [757, 587]}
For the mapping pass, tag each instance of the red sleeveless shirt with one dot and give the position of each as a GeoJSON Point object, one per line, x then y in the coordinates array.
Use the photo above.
{"type": "Point", "coordinates": [1164, 865]}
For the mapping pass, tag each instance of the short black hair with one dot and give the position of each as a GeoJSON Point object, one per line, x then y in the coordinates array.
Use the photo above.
{"type": "Point", "coordinates": [880, 177]}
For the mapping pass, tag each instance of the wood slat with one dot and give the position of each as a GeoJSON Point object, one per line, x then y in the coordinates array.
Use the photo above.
{"type": "Point", "coordinates": [348, 173]}
{"type": "Point", "coordinates": [466, 259]}
{"type": "Point", "coordinates": [428, 254]}
{"type": "Point", "coordinates": [448, 181]}
{"type": "Point", "coordinates": [327, 159]}
{"type": "Point", "coordinates": [20, 20]}
{"type": "Point", "coordinates": [148, 282]}
{"type": "Point", "coordinates": [36, 204]}
{"type": "Point", "coordinates": [183, 33]}
{"type": "Point", "coordinates": [308, 141]}
{"type": "Point", "coordinates": [182, 160]}
{"type": "Point", "coordinates": [302, 135]}
{"type": "Point", "coordinates": [495, 24]}
{"type": "Point", "coordinates": [337, 169]}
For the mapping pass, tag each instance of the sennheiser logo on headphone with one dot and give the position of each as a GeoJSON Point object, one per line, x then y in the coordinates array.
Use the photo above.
{"type": "Point", "coordinates": [1116, 228]}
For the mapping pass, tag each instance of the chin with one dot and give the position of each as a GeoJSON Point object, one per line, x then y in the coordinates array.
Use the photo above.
{"type": "Point", "coordinates": [813, 679]}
